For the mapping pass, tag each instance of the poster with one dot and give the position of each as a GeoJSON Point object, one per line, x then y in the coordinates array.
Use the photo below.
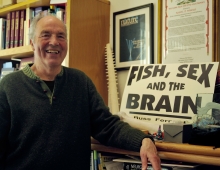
{"type": "Point", "coordinates": [133, 36]}
{"type": "Point", "coordinates": [187, 31]}
{"type": "Point", "coordinates": [132, 39]}
{"type": "Point", "coordinates": [166, 93]}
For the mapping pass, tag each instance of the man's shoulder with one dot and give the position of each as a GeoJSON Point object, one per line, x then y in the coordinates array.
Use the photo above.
{"type": "Point", "coordinates": [12, 75]}
{"type": "Point", "coordinates": [74, 71]}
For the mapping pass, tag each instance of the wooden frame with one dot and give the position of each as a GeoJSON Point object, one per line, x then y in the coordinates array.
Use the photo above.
{"type": "Point", "coordinates": [133, 36]}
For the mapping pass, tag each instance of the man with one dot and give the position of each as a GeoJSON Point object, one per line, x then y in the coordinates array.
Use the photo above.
{"type": "Point", "coordinates": [48, 112]}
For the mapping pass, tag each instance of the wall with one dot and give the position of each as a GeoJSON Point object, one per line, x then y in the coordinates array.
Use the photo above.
{"type": "Point", "coordinates": [118, 5]}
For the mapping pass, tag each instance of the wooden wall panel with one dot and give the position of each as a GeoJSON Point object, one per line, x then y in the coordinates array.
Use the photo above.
{"type": "Point", "coordinates": [88, 35]}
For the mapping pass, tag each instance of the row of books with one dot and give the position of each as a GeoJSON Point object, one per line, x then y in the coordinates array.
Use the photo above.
{"type": "Point", "coordinates": [100, 160]}
{"type": "Point", "coordinates": [108, 161]}
{"type": "Point", "coordinates": [15, 27]}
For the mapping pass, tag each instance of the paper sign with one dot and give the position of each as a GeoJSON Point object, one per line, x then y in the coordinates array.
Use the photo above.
{"type": "Point", "coordinates": [166, 93]}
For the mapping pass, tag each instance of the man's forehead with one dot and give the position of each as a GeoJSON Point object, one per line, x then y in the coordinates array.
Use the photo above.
{"type": "Point", "coordinates": [52, 31]}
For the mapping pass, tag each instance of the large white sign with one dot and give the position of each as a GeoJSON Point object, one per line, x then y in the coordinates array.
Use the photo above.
{"type": "Point", "coordinates": [166, 93]}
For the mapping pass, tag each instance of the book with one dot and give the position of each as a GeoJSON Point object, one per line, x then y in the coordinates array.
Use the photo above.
{"type": "Point", "coordinates": [105, 158]}
{"type": "Point", "coordinates": [39, 9]}
{"type": "Point", "coordinates": [138, 166]}
{"type": "Point", "coordinates": [100, 163]}
{"type": "Point", "coordinates": [134, 164]}
{"type": "Point", "coordinates": [91, 161]}
{"type": "Point", "coordinates": [12, 34]}
{"type": "Point", "coordinates": [29, 17]}
{"type": "Point", "coordinates": [60, 13]}
{"type": "Point", "coordinates": [95, 159]}
{"type": "Point", "coordinates": [25, 33]}
{"type": "Point", "coordinates": [2, 33]}
{"type": "Point", "coordinates": [17, 28]}
{"type": "Point", "coordinates": [21, 31]}
{"type": "Point", "coordinates": [8, 30]}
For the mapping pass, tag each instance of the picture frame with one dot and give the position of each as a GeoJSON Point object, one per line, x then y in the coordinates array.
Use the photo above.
{"type": "Point", "coordinates": [188, 31]}
{"type": "Point", "coordinates": [133, 32]}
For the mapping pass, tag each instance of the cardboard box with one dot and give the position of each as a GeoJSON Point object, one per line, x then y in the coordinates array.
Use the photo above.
{"type": "Point", "coordinates": [178, 133]}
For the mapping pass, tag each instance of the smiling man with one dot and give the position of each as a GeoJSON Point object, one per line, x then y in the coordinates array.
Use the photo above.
{"type": "Point", "coordinates": [48, 112]}
{"type": "Point", "coordinates": [49, 43]}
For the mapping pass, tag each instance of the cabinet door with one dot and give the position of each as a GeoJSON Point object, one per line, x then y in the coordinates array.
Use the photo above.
{"type": "Point", "coordinates": [88, 25]}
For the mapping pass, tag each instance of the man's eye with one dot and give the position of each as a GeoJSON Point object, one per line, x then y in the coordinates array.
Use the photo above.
{"type": "Point", "coordinates": [61, 36]}
{"type": "Point", "coordinates": [45, 36]}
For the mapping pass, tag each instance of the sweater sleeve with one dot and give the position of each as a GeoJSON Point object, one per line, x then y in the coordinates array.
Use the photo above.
{"type": "Point", "coordinates": [108, 129]}
{"type": "Point", "coordinates": [4, 123]}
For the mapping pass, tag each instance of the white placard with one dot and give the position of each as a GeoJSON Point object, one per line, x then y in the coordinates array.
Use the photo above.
{"type": "Point", "coordinates": [166, 93]}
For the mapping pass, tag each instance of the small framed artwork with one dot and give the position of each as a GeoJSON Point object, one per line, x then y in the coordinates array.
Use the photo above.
{"type": "Point", "coordinates": [133, 36]}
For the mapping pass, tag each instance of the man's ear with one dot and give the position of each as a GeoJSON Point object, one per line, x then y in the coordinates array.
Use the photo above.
{"type": "Point", "coordinates": [32, 44]}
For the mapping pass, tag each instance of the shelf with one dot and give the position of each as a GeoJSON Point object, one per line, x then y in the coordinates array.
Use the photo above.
{"type": "Point", "coordinates": [172, 151]}
{"type": "Point", "coordinates": [18, 52]}
{"type": "Point", "coordinates": [23, 5]}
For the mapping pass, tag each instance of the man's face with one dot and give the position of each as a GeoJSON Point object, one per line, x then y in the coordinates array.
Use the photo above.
{"type": "Point", "coordinates": [50, 42]}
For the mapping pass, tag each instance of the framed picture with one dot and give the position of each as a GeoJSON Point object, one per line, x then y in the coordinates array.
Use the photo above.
{"type": "Point", "coordinates": [187, 31]}
{"type": "Point", "coordinates": [133, 36]}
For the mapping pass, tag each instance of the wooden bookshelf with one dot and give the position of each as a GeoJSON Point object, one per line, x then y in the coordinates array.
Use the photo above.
{"type": "Point", "coordinates": [24, 51]}
{"type": "Point", "coordinates": [16, 53]}
{"type": "Point", "coordinates": [23, 5]}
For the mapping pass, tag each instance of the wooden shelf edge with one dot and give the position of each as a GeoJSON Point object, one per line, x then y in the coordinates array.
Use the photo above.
{"type": "Point", "coordinates": [182, 148]}
{"type": "Point", "coordinates": [200, 159]}
{"type": "Point", "coordinates": [103, 148]}
{"type": "Point", "coordinates": [18, 52]}
{"type": "Point", "coordinates": [188, 148]}
{"type": "Point", "coordinates": [23, 5]}
{"type": "Point", "coordinates": [172, 151]}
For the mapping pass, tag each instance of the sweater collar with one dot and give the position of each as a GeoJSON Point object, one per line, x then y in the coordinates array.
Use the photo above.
{"type": "Point", "coordinates": [28, 72]}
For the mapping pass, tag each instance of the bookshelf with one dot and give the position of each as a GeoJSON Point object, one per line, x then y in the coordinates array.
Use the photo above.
{"type": "Point", "coordinates": [18, 52]}
{"type": "Point", "coordinates": [23, 5]}
{"type": "Point", "coordinates": [24, 51]}
{"type": "Point", "coordinates": [89, 22]}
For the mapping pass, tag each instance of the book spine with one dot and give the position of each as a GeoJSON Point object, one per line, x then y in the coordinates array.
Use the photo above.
{"type": "Point", "coordinates": [12, 29]}
{"type": "Point", "coordinates": [29, 17]}
{"type": "Point", "coordinates": [100, 163]}
{"type": "Point", "coordinates": [60, 15]}
{"type": "Point", "coordinates": [138, 166]}
{"type": "Point", "coordinates": [2, 33]}
{"type": "Point", "coordinates": [21, 31]}
{"type": "Point", "coordinates": [95, 156]}
{"type": "Point", "coordinates": [91, 161]}
{"type": "Point", "coordinates": [17, 28]}
{"type": "Point", "coordinates": [8, 30]}
{"type": "Point", "coordinates": [132, 166]}
{"type": "Point", "coordinates": [40, 9]}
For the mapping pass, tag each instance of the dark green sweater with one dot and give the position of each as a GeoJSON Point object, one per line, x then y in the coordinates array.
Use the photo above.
{"type": "Point", "coordinates": [43, 130]}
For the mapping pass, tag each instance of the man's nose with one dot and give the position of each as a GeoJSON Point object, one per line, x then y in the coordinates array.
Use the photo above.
{"type": "Point", "coordinates": [54, 40]}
